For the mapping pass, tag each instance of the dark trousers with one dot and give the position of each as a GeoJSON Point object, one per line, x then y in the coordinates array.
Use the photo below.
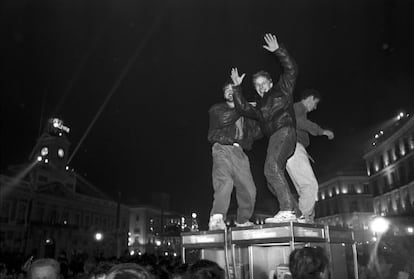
{"type": "Point", "coordinates": [231, 168]}
{"type": "Point", "coordinates": [281, 146]}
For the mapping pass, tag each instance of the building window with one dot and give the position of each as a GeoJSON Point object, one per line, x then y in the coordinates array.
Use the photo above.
{"type": "Point", "coordinates": [353, 206]}
{"type": "Point", "coordinates": [5, 212]}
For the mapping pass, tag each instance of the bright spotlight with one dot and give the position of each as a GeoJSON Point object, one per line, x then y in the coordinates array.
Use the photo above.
{"type": "Point", "coordinates": [46, 161]}
{"type": "Point", "coordinates": [194, 215]}
{"type": "Point", "coordinates": [380, 225]}
{"type": "Point", "coordinates": [410, 230]}
{"type": "Point", "coordinates": [98, 236]}
{"type": "Point", "coordinates": [158, 243]}
{"type": "Point", "coordinates": [39, 158]}
{"type": "Point", "coordinates": [132, 252]}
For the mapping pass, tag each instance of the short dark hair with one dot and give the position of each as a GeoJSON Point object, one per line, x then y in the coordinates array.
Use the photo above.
{"type": "Point", "coordinates": [45, 262]}
{"type": "Point", "coordinates": [310, 92]}
{"type": "Point", "coordinates": [308, 263]}
{"type": "Point", "coordinates": [205, 269]}
{"type": "Point", "coordinates": [261, 74]}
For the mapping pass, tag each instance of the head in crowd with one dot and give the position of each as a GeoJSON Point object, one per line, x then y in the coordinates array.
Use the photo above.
{"type": "Point", "coordinates": [310, 99]}
{"type": "Point", "coordinates": [205, 269]}
{"type": "Point", "coordinates": [228, 91]}
{"type": "Point", "coordinates": [262, 82]}
{"type": "Point", "coordinates": [309, 263]}
{"type": "Point", "coordinates": [128, 271]}
{"type": "Point", "coordinates": [44, 269]}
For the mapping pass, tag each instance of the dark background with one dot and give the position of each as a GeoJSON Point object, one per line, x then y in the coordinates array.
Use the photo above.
{"type": "Point", "coordinates": [162, 63]}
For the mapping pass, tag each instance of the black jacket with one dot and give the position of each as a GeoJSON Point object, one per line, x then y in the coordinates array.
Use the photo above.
{"type": "Point", "coordinates": [275, 109]}
{"type": "Point", "coordinates": [222, 127]}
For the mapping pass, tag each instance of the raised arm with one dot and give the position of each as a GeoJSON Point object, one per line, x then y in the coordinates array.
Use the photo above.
{"type": "Point", "coordinates": [287, 79]}
{"type": "Point", "coordinates": [240, 103]}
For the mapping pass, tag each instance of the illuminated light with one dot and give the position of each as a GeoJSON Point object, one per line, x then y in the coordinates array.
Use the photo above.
{"type": "Point", "coordinates": [60, 134]}
{"type": "Point", "coordinates": [157, 242]}
{"type": "Point", "coordinates": [98, 236]}
{"type": "Point", "coordinates": [337, 191]}
{"type": "Point", "coordinates": [376, 167]}
{"type": "Point", "coordinates": [169, 243]}
{"type": "Point", "coordinates": [129, 233]}
{"type": "Point", "coordinates": [323, 196]}
{"type": "Point", "coordinates": [367, 242]}
{"type": "Point", "coordinates": [139, 253]}
{"type": "Point", "coordinates": [343, 244]}
{"type": "Point", "coordinates": [359, 190]}
{"type": "Point", "coordinates": [380, 225]}
{"type": "Point", "coordinates": [39, 158]}
{"type": "Point", "coordinates": [344, 190]}
{"type": "Point", "coordinates": [374, 239]}
{"type": "Point", "coordinates": [410, 230]}
{"type": "Point", "coordinates": [175, 254]}
{"type": "Point", "coordinates": [44, 151]}
{"type": "Point", "coordinates": [65, 222]}
{"type": "Point", "coordinates": [165, 253]}
{"type": "Point", "coordinates": [382, 214]}
{"type": "Point", "coordinates": [67, 167]}
{"type": "Point", "coordinates": [401, 114]}
{"type": "Point", "coordinates": [381, 132]}
{"type": "Point", "coordinates": [48, 241]}
{"type": "Point", "coordinates": [376, 136]}
{"type": "Point", "coordinates": [132, 252]}
{"type": "Point", "coordinates": [373, 143]}
{"type": "Point", "coordinates": [46, 161]}
{"type": "Point", "coordinates": [402, 151]}
{"type": "Point", "coordinates": [194, 215]}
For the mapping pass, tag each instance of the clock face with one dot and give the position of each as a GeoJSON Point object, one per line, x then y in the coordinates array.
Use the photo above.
{"type": "Point", "coordinates": [44, 151]}
{"type": "Point", "coordinates": [61, 152]}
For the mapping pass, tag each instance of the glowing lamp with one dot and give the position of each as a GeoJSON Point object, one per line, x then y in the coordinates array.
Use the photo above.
{"type": "Point", "coordinates": [380, 225]}
{"type": "Point", "coordinates": [39, 158]}
{"type": "Point", "coordinates": [194, 215]}
{"type": "Point", "coordinates": [98, 236]}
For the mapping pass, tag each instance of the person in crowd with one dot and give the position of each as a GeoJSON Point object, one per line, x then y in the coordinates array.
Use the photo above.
{"type": "Point", "coordinates": [298, 165]}
{"type": "Point", "coordinates": [128, 271]}
{"type": "Point", "coordinates": [274, 111]}
{"type": "Point", "coordinates": [44, 268]}
{"type": "Point", "coordinates": [205, 269]}
{"type": "Point", "coordinates": [230, 134]}
{"type": "Point", "coordinates": [309, 263]}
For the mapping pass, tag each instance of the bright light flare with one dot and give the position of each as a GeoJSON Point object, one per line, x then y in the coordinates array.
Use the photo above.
{"type": "Point", "coordinates": [98, 236]}
{"type": "Point", "coordinates": [380, 225]}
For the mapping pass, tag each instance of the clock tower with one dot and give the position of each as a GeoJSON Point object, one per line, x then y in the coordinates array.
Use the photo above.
{"type": "Point", "coordinates": [52, 147]}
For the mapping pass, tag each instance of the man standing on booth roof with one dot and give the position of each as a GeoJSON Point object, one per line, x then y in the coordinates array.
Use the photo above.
{"type": "Point", "coordinates": [230, 133]}
{"type": "Point", "coordinates": [298, 165]}
{"type": "Point", "coordinates": [275, 113]}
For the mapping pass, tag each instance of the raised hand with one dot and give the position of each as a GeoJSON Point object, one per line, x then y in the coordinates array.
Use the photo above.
{"type": "Point", "coordinates": [237, 80]}
{"type": "Point", "coordinates": [329, 134]}
{"type": "Point", "coordinates": [271, 41]}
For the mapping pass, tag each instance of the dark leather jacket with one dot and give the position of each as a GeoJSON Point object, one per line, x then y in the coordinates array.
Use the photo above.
{"type": "Point", "coordinates": [275, 110]}
{"type": "Point", "coordinates": [222, 127]}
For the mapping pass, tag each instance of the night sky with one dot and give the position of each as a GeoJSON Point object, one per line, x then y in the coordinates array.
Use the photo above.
{"type": "Point", "coordinates": [163, 63]}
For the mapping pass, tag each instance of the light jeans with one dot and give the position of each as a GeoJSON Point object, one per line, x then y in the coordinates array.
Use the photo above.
{"type": "Point", "coordinates": [300, 171]}
{"type": "Point", "coordinates": [231, 168]}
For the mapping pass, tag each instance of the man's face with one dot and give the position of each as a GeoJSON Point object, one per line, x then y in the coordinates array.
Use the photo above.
{"type": "Point", "coordinates": [311, 103]}
{"type": "Point", "coordinates": [262, 85]}
{"type": "Point", "coordinates": [228, 93]}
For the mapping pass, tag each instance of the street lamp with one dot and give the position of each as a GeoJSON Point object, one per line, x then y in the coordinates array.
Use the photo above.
{"type": "Point", "coordinates": [98, 236]}
{"type": "Point", "coordinates": [380, 225]}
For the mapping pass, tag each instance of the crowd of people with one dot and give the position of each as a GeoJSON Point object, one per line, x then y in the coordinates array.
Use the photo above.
{"type": "Point", "coordinates": [307, 262]}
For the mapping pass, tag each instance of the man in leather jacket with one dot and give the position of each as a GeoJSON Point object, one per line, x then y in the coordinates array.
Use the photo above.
{"type": "Point", "coordinates": [230, 133]}
{"type": "Point", "coordinates": [277, 120]}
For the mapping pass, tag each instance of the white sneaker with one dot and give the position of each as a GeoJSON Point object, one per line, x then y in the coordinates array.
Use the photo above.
{"type": "Point", "coordinates": [216, 222]}
{"type": "Point", "coordinates": [282, 217]}
{"type": "Point", "coordinates": [245, 224]}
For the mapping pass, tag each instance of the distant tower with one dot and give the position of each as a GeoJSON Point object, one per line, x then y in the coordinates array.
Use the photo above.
{"type": "Point", "coordinates": [52, 147]}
